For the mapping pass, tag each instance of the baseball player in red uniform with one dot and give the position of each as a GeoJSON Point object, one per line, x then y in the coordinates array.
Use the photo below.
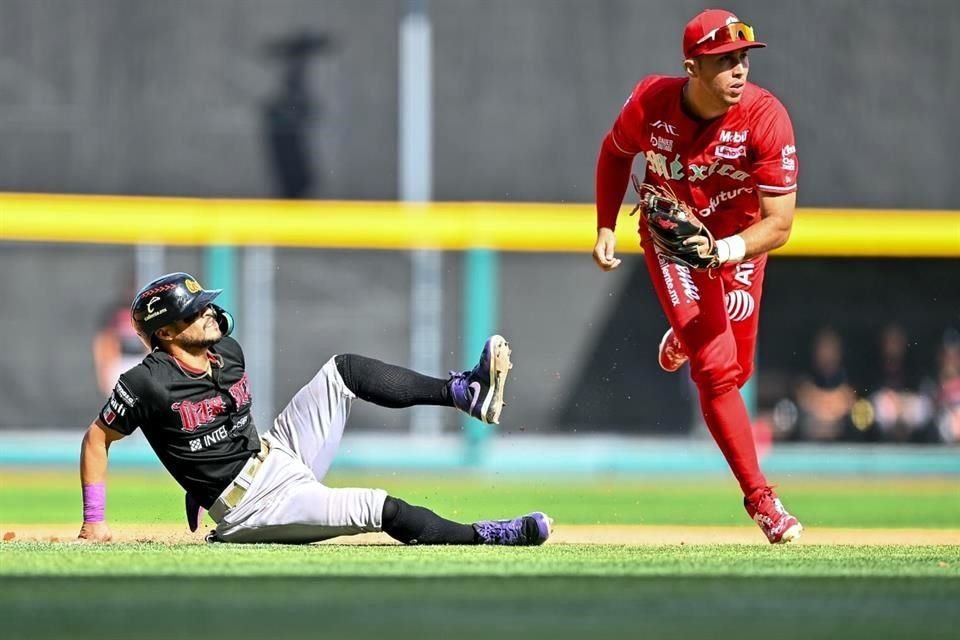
{"type": "Point", "coordinates": [726, 148]}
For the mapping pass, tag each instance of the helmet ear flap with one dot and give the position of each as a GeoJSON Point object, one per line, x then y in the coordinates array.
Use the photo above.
{"type": "Point", "coordinates": [224, 320]}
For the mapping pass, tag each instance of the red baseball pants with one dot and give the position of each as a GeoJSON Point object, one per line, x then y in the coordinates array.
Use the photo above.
{"type": "Point", "coordinates": [714, 315]}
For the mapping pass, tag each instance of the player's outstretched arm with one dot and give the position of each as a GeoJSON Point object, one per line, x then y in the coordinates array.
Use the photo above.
{"type": "Point", "coordinates": [93, 481]}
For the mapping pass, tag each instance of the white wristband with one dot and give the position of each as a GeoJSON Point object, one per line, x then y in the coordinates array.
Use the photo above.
{"type": "Point", "coordinates": [731, 249]}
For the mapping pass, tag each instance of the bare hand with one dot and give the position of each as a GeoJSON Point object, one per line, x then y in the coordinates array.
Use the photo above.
{"type": "Point", "coordinates": [603, 251]}
{"type": "Point", "coordinates": [95, 532]}
{"type": "Point", "coordinates": [705, 248]}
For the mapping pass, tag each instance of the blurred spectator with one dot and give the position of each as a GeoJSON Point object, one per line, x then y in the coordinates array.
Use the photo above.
{"type": "Point", "coordinates": [947, 392]}
{"type": "Point", "coordinates": [289, 113]}
{"type": "Point", "coordinates": [116, 347]}
{"type": "Point", "coordinates": [900, 411]}
{"type": "Point", "coordinates": [824, 397]}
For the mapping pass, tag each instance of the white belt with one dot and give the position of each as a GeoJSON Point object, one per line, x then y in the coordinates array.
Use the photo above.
{"type": "Point", "coordinates": [235, 491]}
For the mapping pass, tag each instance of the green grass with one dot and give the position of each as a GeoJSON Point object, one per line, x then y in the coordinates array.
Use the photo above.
{"type": "Point", "coordinates": [63, 590]}
{"type": "Point", "coordinates": [557, 608]}
{"type": "Point", "coordinates": [148, 498]}
{"type": "Point", "coordinates": [571, 560]}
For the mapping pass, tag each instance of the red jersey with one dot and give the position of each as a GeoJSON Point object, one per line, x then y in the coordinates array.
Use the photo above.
{"type": "Point", "coordinates": [717, 166]}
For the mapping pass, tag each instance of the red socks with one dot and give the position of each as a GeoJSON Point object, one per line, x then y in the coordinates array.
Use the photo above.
{"type": "Point", "coordinates": [726, 416]}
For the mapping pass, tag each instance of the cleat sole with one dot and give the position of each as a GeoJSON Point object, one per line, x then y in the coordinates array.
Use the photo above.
{"type": "Point", "coordinates": [500, 366]}
{"type": "Point", "coordinates": [670, 366]}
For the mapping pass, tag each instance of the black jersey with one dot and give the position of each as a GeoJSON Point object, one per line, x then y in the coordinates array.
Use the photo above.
{"type": "Point", "coordinates": [198, 425]}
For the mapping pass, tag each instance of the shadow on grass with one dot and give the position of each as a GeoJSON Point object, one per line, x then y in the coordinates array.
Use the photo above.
{"type": "Point", "coordinates": [272, 608]}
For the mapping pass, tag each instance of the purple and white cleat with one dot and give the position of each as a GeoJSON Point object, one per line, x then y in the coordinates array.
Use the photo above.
{"type": "Point", "coordinates": [479, 392]}
{"type": "Point", "coordinates": [525, 531]}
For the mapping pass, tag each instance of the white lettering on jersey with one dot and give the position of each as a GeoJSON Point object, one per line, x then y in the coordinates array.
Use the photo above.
{"type": "Point", "coordinates": [731, 153]}
{"type": "Point", "coordinates": [690, 290]}
{"type": "Point", "coordinates": [667, 278]}
{"type": "Point", "coordinates": [723, 196]}
{"type": "Point", "coordinates": [213, 437]}
{"type": "Point", "coordinates": [664, 126]}
{"type": "Point", "coordinates": [744, 273]}
{"type": "Point", "coordinates": [117, 407]}
{"type": "Point", "coordinates": [659, 142]}
{"type": "Point", "coordinates": [121, 392]}
{"type": "Point", "coordinates": [733, 137]}
{"type": "Point", "coordinates": [787, 162]}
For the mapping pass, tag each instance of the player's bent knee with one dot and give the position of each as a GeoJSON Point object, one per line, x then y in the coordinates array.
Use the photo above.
{"type": "Point", "coordinates": [717, 381]}
{"type": "Point", "coordinates": [337, 368]}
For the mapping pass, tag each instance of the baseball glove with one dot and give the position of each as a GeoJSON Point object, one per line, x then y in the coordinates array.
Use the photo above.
{"type": "Point", "coordinates": [671, 222]}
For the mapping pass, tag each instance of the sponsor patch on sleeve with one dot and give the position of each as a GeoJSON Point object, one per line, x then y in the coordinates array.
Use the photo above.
{"type": "Point", "coordinates": [120, 402]}
{"type": "Point", "coordinates": [122, 394]}
{"type": "Point", "coordinates": [113, 409]}
{"type": "Point", "coordinates": [788, 160]}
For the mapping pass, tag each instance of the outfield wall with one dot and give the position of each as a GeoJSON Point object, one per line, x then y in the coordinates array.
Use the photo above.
{"type": "Point", "coordinates": [503, 226]}
{"type": "Point", "coordinates": [583, 340]}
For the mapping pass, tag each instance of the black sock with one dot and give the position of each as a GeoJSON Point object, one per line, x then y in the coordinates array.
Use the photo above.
{"type": "Point", "coordinates": [389, 385]}
{"type": "Point", "coordinates": [418, 525]}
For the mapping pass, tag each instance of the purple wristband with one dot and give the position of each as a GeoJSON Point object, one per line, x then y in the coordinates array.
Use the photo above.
{"type": "Point", "coordinates": [94, 502]}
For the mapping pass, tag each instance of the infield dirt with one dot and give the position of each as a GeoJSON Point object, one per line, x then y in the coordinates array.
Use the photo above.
{"type": "Point", "coordinates": [569, 534]}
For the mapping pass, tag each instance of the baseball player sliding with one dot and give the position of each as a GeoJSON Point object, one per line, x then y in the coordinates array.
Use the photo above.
{"type": "Point", "coordinates": [191, 398]}
{"type": "Point", "coordinates": [718, 193]}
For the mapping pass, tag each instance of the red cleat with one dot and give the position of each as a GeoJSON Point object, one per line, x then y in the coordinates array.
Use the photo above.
{"type": "Point", "coordinates": [767, 511]}
{"type": "Point", "coordinates": [671, 355]}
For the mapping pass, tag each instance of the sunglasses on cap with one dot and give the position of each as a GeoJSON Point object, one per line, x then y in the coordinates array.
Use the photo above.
{"type": "Point", "coordinates": [733, 32]}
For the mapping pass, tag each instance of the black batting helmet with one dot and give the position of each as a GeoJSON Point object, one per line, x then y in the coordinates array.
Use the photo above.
{"type": "Point", "coordinates": [169, 298]}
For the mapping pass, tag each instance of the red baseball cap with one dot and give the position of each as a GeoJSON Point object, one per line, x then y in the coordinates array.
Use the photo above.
{"type": "Point", "coordinates": [717, 31]}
